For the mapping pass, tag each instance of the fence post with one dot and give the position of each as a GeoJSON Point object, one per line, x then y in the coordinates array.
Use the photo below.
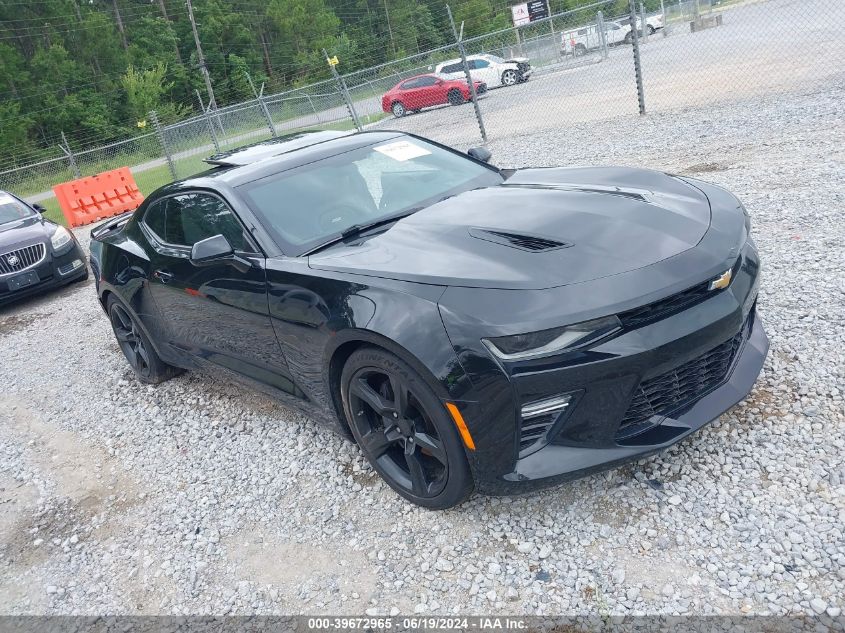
{"type": "Point", "coordinates": [342, 85]}
{"type": "Point", "coordinates": [65, 147]}
{"type": "Point", "coordinates": [163, 141]}
{"type": "Point", "coordinates": [260, 96]}
{"type": "Point", "coordinates": [643, 24]}
{"type": "Point", "coordinates": [311, 103]}
{"type": "Point", "coordinates": [209, 122]}
{"type": "Point", "coordinates": [602, 34]}
{"type": "Point", "coordinates": [665, 25]}
{"type": "Point", "coordinates": [473, 96]}
{"type": "Point", "coordinates": [638, 69]}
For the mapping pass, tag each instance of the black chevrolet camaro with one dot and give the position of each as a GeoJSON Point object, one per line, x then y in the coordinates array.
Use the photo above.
{"type": "Point", "coordinates": [469, 327]}
{"type": "Point", "coordinates": [35, 253]}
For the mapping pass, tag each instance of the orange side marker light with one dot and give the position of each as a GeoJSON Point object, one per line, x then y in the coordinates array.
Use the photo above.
{"type": "Point", "coordinates": [462, 426]}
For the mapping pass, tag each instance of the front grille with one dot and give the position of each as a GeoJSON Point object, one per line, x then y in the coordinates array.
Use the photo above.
{"type": "Point", "coordinates": [683, 385]}
{"type": "Point", "coordinates": [21, 259]}
{"type": "Point", "coordinates": [523, 66]}
{"type": "Point", "coordinates": [665, 307]}
{"type": "Point", "coordinates": [670, 305]}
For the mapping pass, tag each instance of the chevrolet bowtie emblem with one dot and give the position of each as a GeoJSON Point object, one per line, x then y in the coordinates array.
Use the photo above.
{"type": "Point", "coordinates": [722, 281]}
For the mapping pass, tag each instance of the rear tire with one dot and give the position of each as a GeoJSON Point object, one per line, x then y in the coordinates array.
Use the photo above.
{"type": "Point", "coordinates": [403, 429]}
{"type": "Point", "coordinates": [136, 347]}
{"type": "Point", "coordinates": [580, 50]}
{"type": "Point", "coordinates": [651, 29]}
{"type": "Point", "coordinates": [398, 110]}
{"type": "Point", "coordinates": [629, 38]}
{"type": "Point", "coordinates": [455, 97]}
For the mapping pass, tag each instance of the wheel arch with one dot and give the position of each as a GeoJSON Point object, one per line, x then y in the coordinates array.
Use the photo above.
{"type": "Point", "coordinates": [346, 342]}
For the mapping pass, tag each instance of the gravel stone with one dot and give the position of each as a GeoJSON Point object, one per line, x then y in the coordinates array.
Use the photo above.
{"type": "Point", "coordinates": [818, 605]}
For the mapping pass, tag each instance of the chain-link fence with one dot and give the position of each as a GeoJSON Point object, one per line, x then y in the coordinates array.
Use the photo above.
{"type": "Point", "coordinates": [603, 60]}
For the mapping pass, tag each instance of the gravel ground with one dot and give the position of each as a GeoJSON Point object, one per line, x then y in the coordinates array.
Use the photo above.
{"type": "Point", "coordinates": [202, 497]}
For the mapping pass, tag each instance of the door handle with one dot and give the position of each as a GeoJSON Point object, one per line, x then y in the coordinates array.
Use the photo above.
{"type": "Point", "coordinates": [163, 276]}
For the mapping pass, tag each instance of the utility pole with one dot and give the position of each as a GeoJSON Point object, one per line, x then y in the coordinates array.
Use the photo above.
{"type": "Point", "coordinates": [459, 40]}
{"type": "Point", "coordinates": [212, 103]}
{"type": "Point", "coordinates": [389, 30]}
{"type": "Point", "coordinates": [120, 25]}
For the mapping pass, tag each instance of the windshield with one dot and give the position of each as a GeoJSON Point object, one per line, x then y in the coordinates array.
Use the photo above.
{"type": "Point", "coordinates": [309, 205]}
{"type": "Point", "coordinates": [12, 209]}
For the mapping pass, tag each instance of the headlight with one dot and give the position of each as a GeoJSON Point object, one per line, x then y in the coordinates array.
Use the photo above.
{"type": "Point", "coordinates": [60, 237]}
{"type": "Point", "coordinates": [535, 344]}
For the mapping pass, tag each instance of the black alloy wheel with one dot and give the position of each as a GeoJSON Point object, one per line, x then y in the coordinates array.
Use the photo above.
{"type": "Point", "coordinates": [455, 97]}
{"type": "Point", "coordinates": [142, 358]}
{"type": "Point", "coordinates": [404, 430]}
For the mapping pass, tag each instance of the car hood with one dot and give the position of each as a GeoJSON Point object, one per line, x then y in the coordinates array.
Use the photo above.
{"type": "Point", "coordinates": [21, 232]}
{"type": "Point", "coordinates": [516, 60]}
{"type": "Point", "coordinates": [599, 222]}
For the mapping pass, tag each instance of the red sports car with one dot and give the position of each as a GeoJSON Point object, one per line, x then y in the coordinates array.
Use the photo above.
{"type": "Point", "coordinates": [416, 93]}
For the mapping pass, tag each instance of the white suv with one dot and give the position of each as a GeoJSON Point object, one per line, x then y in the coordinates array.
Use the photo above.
{"type": "Point", "coordinates": [492, 70]}
{"type": "Point", "coordinates": [587, 38]}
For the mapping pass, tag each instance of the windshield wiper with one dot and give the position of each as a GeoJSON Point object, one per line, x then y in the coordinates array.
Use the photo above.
{"type": "Point", "coordinates": [358, 229]}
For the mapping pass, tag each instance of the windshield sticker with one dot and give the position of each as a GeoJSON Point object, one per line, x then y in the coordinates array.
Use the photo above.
{"type": "Point", "coordinates": [402, 150]}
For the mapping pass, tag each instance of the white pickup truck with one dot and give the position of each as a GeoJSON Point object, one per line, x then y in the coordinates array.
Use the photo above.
{"type": "Point", "coordinates": [580, 41]}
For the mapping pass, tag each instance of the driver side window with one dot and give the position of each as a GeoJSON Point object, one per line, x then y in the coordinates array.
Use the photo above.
{"type": "Point", "coordinates": [188, 218]}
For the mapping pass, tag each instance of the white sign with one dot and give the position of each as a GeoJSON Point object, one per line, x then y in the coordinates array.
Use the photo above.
{"type": "Point", "coordinates": [520, 14]}
{"type": "Point", "coordinates": [402, 150]}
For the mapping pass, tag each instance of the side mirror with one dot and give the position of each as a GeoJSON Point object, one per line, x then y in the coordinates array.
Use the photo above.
{"type": "Point", "coordinates": [480, 153]}
{"type": "Point", "coordinates": [38, 208]}
{"type": "Point", "coordinates": [211, 249]}
{"type": "Point", "coordinates": [217, 250]}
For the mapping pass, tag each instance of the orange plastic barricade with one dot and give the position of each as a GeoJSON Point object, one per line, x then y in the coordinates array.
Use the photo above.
{"type": "Point", "coordinates": [98, 197]}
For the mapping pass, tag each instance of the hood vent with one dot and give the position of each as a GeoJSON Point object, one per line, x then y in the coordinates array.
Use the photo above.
{"type": "Point", "coordinates": [522, 241]}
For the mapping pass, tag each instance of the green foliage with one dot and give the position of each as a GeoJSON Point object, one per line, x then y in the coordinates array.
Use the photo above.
{"type": "Point", "coordinates": [144, 90]}
{"type": "Point", "coordinates": [73, 66]}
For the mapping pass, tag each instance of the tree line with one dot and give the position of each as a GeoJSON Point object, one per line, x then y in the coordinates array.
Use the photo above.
{"type": "Point", "coordinates": [95, 68]}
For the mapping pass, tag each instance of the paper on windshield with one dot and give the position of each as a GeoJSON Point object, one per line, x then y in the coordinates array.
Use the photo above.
{"type": "Point", "coordinates": [402, 150]}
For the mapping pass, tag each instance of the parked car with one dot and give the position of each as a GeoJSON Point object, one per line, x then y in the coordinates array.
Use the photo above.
{"type": "Point", "coordinates": [35, 253]}
{"type": "Point", "coordinates": [580, 41]}
{"type": "Point", "coordinates": [489, 69]}
{"type": "Point", "coordinates": [415, 93]}
{"type": "Point", "coordinates": [384, 284]}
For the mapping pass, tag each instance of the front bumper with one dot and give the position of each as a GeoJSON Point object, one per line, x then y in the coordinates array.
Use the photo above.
{"type": "Point", "coordinates": [606, 380]}
{"type": "Point", "coordinates": [54, 271]}
{"type": "Point", "coordinates": [555, 462]}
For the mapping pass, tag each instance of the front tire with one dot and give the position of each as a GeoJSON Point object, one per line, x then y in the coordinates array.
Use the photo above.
{"type": "Point", "coordinates": [398, 110]}
{"type": "Point", "coordinates": [580, 50]}
{"type": "Point", "coordinates": [455, 97]}
{"type": "Point", "coordinates": [403, 429]}
{"type": "Point", "coordinates": [136, 347]}
{"type": "Point", "coordinates": [651, 29]}
{"type": "Point", "coordinates": [510, 78]}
